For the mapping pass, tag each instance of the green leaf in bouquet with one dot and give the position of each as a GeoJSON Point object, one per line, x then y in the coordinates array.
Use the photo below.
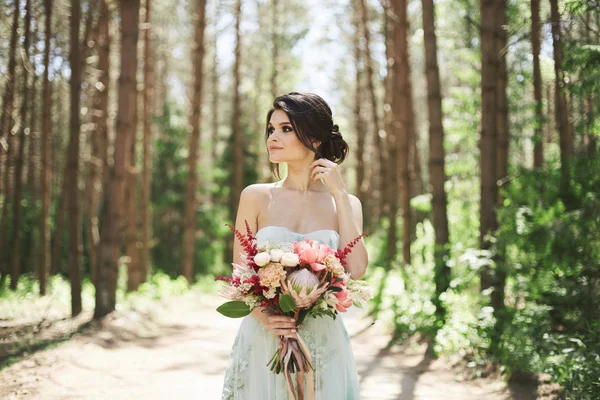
{"type": "Point", "coordinates": [301, 317]}
{"type": "Point", "coordinates": [287, 303]}
{"type": "Point", "coordinates": [335, 288]}
{"type": "Point", "coordinates": [234, 309]}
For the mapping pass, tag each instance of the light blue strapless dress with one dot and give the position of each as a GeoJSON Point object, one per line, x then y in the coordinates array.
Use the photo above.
{"type": "Point", "coordinates": [249, 378]}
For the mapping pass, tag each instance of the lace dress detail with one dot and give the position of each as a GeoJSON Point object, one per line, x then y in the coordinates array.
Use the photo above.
{"type": "Point", "coordinates": [248, 377]}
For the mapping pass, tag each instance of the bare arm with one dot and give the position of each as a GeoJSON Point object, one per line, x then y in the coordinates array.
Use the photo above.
{"type": "Point", "coordinates": [248, 210]}
{"type": "Point", "coordinates": [350, 225]}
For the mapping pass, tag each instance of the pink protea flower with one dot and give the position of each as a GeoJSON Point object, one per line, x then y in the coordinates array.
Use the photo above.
{"type": "Point", "coordinates": [304, 287]}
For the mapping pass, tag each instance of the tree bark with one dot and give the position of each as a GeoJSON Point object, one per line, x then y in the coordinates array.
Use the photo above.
{"type": "Point", "coordinates": [147, 146]}
{"type": "Point", "coordinates": [442, 273]}
{"type": "Point", "coordinates": [112, 215]}
{"type": "Point", "coordinates": [560, 106]}
{"type": "Point", "coordinates": [488, 139]}
{"type": "Point", "coordinates": [238, 140]}
{"type": "Point", "coordinates": [7, 139]}
{"type": "Point", "coordinates": [392, 137]}
{"type": "Point", "coordinates": [20, 161]}
{"type": "Point", "coordinates": [6, 119]}
{"type": "Point", "coordinates": [538, 140]}
{"type": "Point", "coordinates": [380, 170]}
{"type": "Point", "coordinates": [405, 124]}
{"type": "Point", "coordinates": [191, 204]}
{"type": "Point", "coordinates": [502, 148]}
{"type": "Point", "coordinates": [99, 166]}
{"type": "Point", "coordinates": [131, 238]}
{"type": "Point", "coordinates": [72, 167]}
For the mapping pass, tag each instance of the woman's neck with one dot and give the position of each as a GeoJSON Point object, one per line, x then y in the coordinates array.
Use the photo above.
{"type": "Point", "coordinates": [298, 178]}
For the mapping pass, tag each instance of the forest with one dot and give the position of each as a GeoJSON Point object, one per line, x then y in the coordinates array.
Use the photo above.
{"type": "Point", "coordinates": [129, 128]}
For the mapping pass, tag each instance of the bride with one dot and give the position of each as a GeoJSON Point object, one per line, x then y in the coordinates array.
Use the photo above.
{"type": "Point", "coordinates": [311, 202]}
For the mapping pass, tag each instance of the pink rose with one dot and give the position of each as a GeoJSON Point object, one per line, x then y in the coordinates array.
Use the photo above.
{"type": "Point", "coordinates": [344, 300]}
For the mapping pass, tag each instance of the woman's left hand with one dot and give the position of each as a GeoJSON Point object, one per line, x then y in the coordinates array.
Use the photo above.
{"type": "Point", "coordinates": [330, 173]}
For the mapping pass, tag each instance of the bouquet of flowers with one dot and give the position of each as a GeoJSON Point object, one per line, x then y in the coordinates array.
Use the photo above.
{"type": "Point", "coordinates": [295, 279]}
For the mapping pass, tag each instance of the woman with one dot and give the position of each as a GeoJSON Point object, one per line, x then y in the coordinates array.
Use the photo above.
{"type": "Point", "coordinates": [311, 202]}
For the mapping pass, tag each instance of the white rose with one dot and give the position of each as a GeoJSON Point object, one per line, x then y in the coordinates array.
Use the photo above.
{"type": "Point", "coordinates": [289, 259]}
{"type": "Point", "coordinates": [262, 259]}
{"type": "Point", "coordinates": [276, 255]}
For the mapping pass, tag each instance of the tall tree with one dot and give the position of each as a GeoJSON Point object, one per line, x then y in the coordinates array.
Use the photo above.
{"type": "Point", "coordinates": [405, 123]}
{"type": "Point", "coordinates": [72, 166]}
{"type": "Point", "coordinates": [99, 168]}
{"type": "Point", "coordinates": [380, 170]}
{"type": "Point", "coordinates": [488, 141]}
{"type": "Point", "coordinates": [274, 47]}
{"type": "Point", "coordinates": [393, 134]}
{"type": "Point", "coordinates": [147, 146]}
{"type": "Point", "coordinates": [131, 238]}
{"type": "Point", "coordinates": [20, 161]}
{"type": "Point", "coordinates": [112, 214]}
{"type": "Point", "coordinates": [437, 172]}
{"type": "Point", "coordinates": [502, 148]}
{"type": "Point", "coordinates": [560, 99]}
{"type": "Point", "coordinates": [7, 141]}
{"type": "Point", "coordinates": [361, 182]}
{"type": "Point", "coordinates": [46, 170]}
{"type": "Point", "coordinates": [238, 150]}
{"type": "Point", "coordinates": [538, 139]}
{"type": "Point", "coordinates": [6, 118]}
{"type": "Point", "coordinates": [191, 204]}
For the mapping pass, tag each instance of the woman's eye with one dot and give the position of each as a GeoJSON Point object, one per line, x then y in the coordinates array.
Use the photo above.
{"type": "Point", "coordinates": [287, 129]}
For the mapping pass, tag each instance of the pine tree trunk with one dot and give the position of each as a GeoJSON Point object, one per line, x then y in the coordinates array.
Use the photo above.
{"type": "Point", "coordinates": [114, 197]}
{"type": "Point", "coordinates": [6, 118]}
{"type": "Point", "coordinates": [275, 47]}
{"type": "Point", "coordinates": [99, 139]}
{"type": "Point", "coordinates": [215, 98]}
{"type": "Point", "coordinates": [560, 105]}
{"type": "Point", "coordinates": [147, 146]}
{"type": "Point", "coordinates": [380, 170]}
{"type": "Point", "coordinates": [20, 161]}
{"type": "Point", "coordinates": [488, 141]}
{"type": "Point", "coordinates": [46, 169]}
{"type": "Point", "coordinates": [72, 167]}
{"type": "Point", "coordinates": [191, 204]}
{"type": "Point", "coordinates": [538, 140]}
{"type": "Point", "coordinates": [7, 145]}
{"type": "Point", "coordinates": [502, 148]}
{"type": "Point", "coordinates": [392, 139]}
{"type": "Point", "coordinates": [388, 192]}
{"type": "Point", "coordinates": [405, 124]}
{"type": "Point", "coordinates": [238, 150]}
{"type": "Point", "coordinates": [442, 273]}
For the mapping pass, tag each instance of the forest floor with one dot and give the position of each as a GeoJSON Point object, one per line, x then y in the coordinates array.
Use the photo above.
{"type": "Point", "coordinates": [180, 350]}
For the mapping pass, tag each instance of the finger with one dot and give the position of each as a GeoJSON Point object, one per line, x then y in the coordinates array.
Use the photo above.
{"type": "Point", "coordinates": [281, 318]}
{"type": "Point", "coordinates": [318, 170]}
{"type": "Point", "coordinates": [283, 331]}
{"type": "Point", "coordinates": [284, 325]}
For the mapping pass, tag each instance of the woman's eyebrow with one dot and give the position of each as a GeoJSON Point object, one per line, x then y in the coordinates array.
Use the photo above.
{"type": "Point", "coordinates": [282, 123]}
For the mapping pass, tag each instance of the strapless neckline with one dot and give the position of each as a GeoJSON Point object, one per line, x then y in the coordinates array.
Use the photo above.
{"type": "Point", "coordinates": [298, 233]}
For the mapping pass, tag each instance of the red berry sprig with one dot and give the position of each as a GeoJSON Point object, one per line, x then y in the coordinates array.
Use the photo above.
{"type": "Point", "coordinates": [342, 253]}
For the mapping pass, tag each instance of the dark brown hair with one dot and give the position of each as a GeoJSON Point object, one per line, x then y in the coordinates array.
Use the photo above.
{"type": "Point", "coordinates": [312, 120]}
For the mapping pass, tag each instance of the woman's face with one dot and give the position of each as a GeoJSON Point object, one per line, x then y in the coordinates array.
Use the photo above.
{"type": "Point", "coordinates": [283, 143]}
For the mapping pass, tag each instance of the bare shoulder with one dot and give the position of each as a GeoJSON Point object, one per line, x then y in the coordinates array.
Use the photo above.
{"type": "Point", "coordinates": [256, 191]}
{"type": "Point", "coordinates": [355, 202]}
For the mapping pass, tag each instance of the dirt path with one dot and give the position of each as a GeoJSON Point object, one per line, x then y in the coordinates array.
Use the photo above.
{"type": "Point", "coordinates": [182, 353]}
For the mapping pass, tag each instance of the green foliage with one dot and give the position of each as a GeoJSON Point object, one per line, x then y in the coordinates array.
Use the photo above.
{"type": "Point", "coordinates": [554, 282]}
{"type": "Point", "coordinates": [287, 303]}
{"type": "Point", "coordinates": [234, 309]}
